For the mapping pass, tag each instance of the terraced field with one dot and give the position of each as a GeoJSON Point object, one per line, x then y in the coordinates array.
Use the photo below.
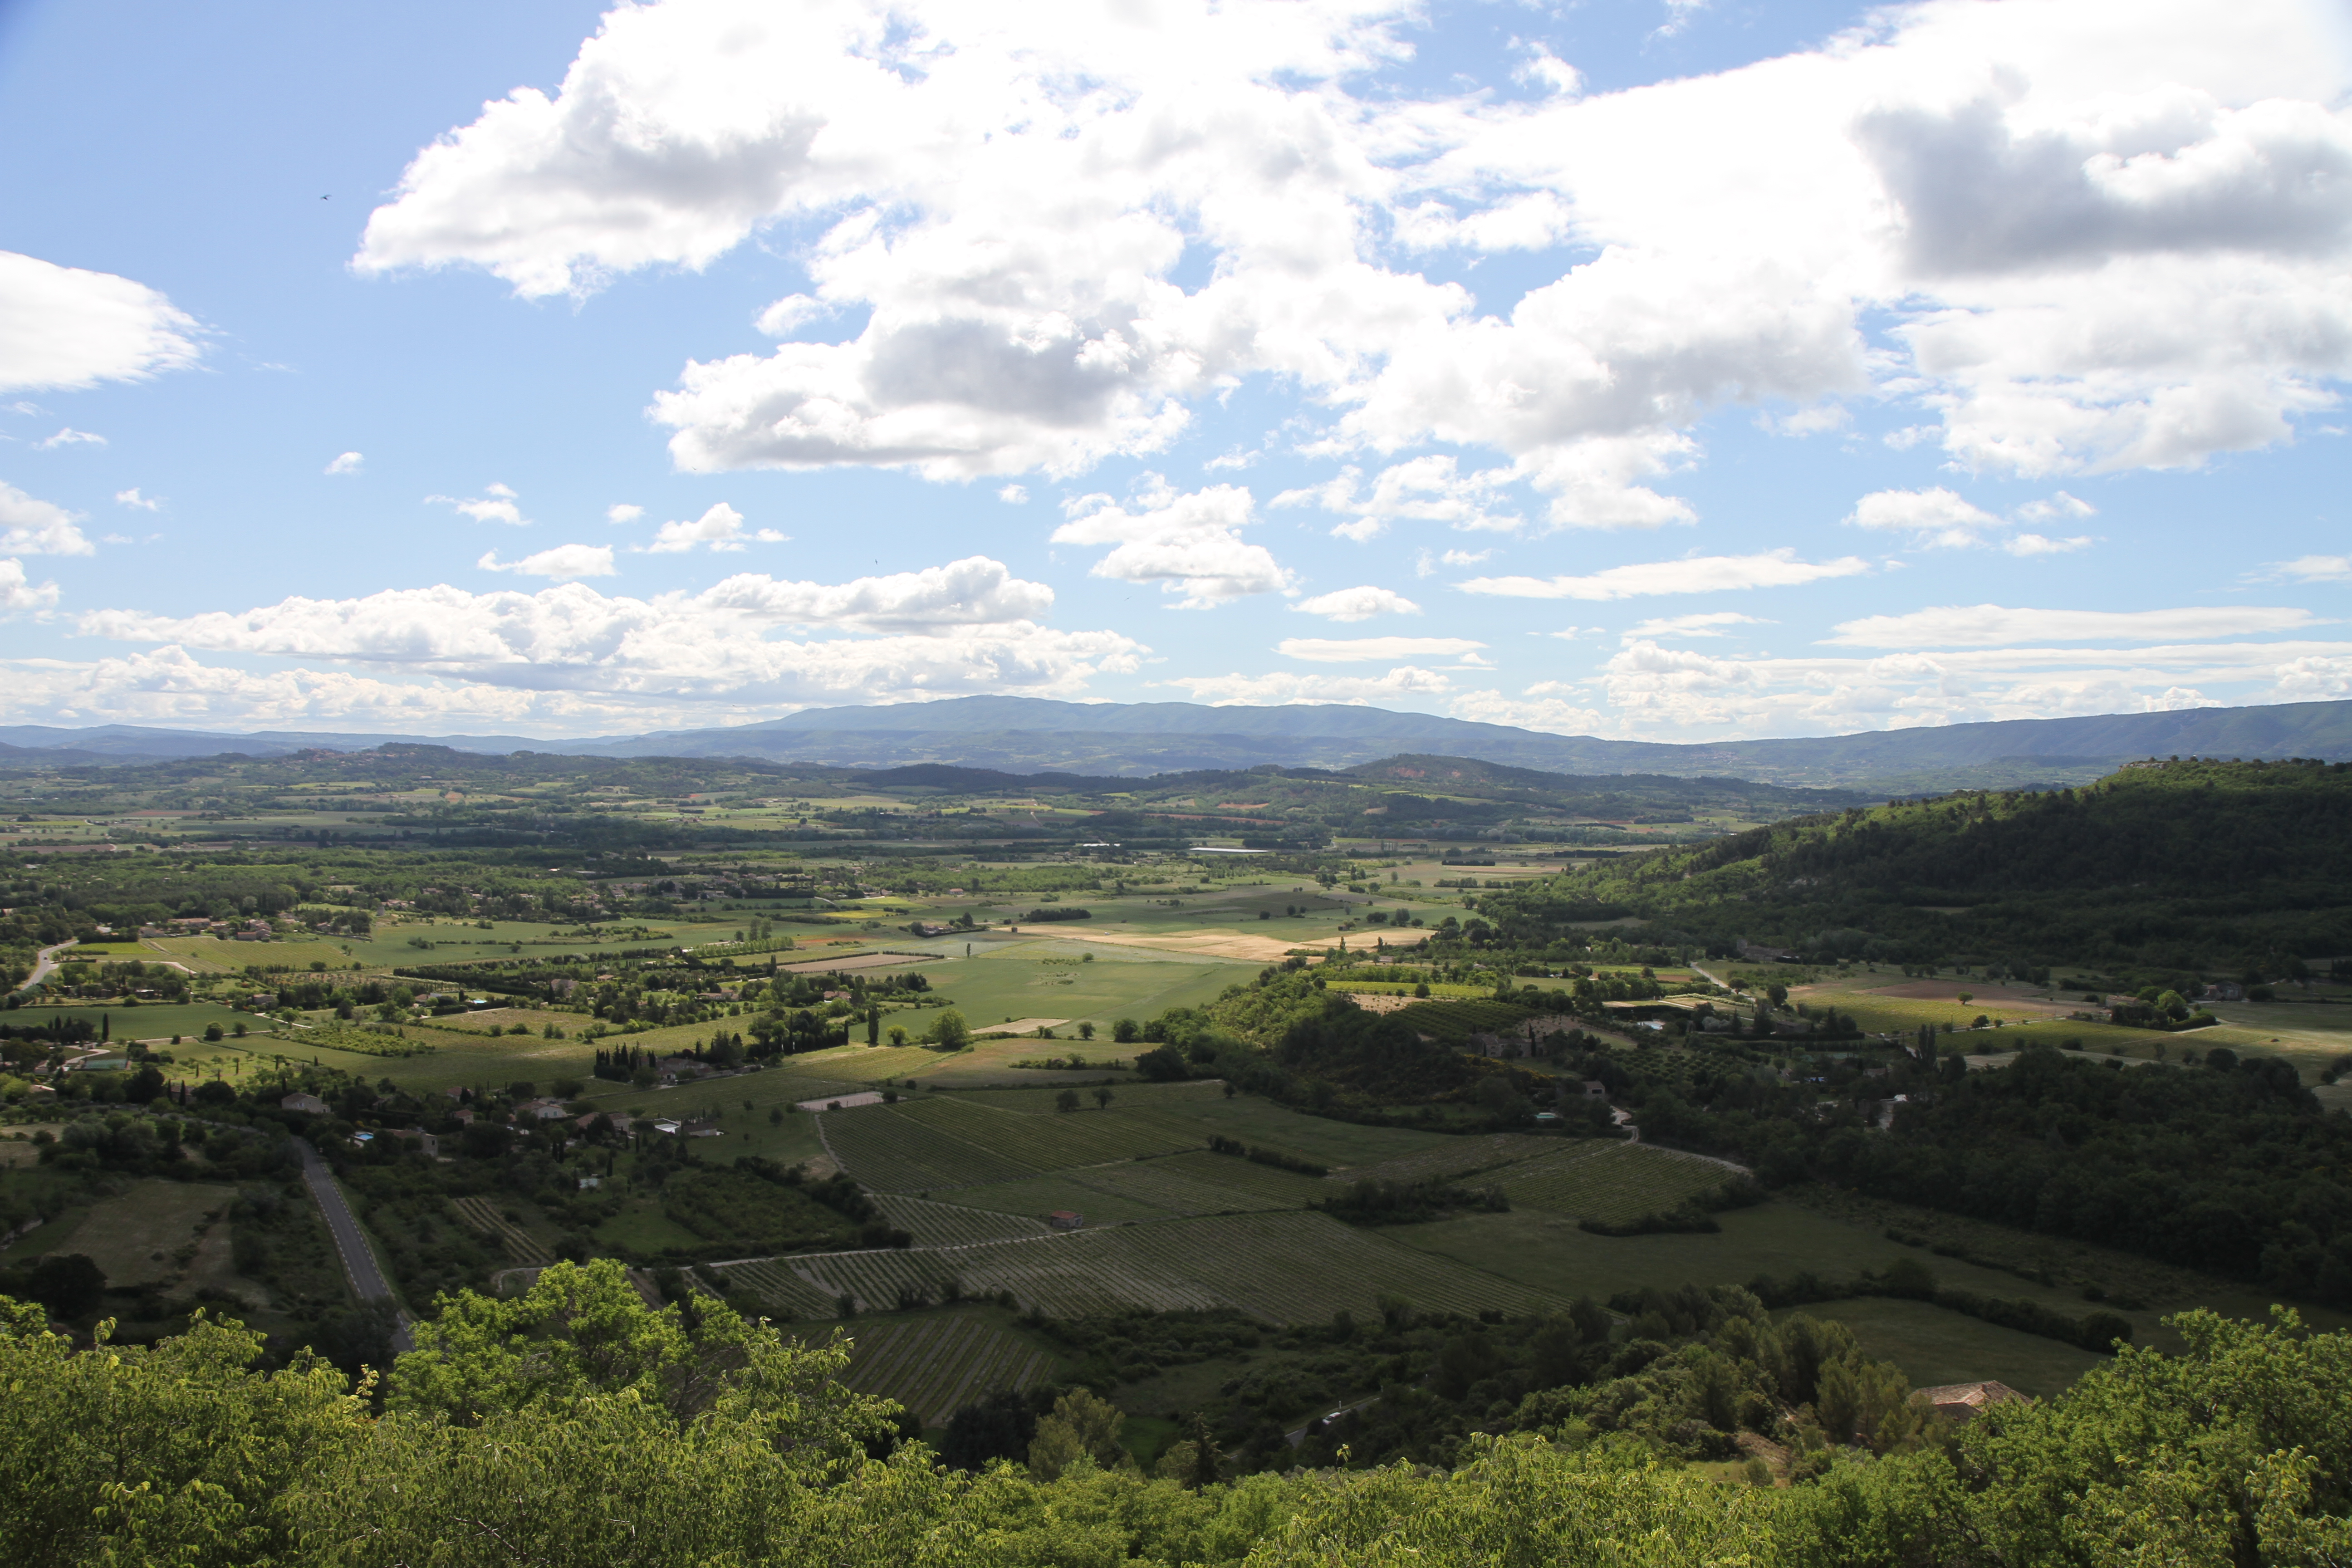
{"type": "Point", "coordinates": [787, 1295]}
{"type": "Point", "coordinates": [936, 1365]}
{"type": "Point", "coordinates": [1177, 1191]}
{"type": "Point", "coordinates": [1608, 1181]}
{"type": "Point", "coordinates": [1301, 1268]}
{"type": "Point", "coordinates": [1455, 1157]}
{"type": "Point", "coordinates": [1061, 1276]}
{"type": "Point", "coordinates": [1290, 1267]}
{"type": "Point", "coordinates": [947, 1225]}
{"type": "Point", "coordinates": [1037, 1197]}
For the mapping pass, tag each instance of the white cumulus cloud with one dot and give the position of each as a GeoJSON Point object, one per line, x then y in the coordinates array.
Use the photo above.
{"type": "Point", "coordinates": [1695, 575]}
{"type": "Point", "coordinates": [1993, 626]}
{"type": "Point", "coordinates": [1358, 604]}
{"type": "Point", "coordinates": [346, 463]}
{"type": "Point", "coordinates": [2074, 236]}
{"type": "Point", "coordinates": [2316, 569]}
{"type": "Point", "coordinates": [1426, 489]}
{"type": "Point", "coordinates": [2042, 545]}
{"type": "Point", "coordinates": [1405, 682]}
{"type": "Point", "coordinates": [1715, 624]}
{"type": "Point", "coordinates": [62, 327]}
{"type": "Point", "coordinates": [719, 528]}
{"type": "Point", "coordinates": [1363, 650]}
{"type": "Point", "coordinates": [1941, 519]}
{"type": "Point", "coordinates": [36, 527]}
{"type": "Point", "coordinates": [19, 595]}
{"type": "Point", "coordinates": [964, 627]}
{"type": "Point", "coordinates": [1684, 694]}
{"type": "Point", "coordinates": [1187, 543]}
{"type": "Point", "coordinates": [496, 503]}
{"type": "Point", "coordinates": [1937, 517]}
{"type": "Point", "coordinates": [621, 513]}
{"type": "Point", "coordinates": [563, 562]}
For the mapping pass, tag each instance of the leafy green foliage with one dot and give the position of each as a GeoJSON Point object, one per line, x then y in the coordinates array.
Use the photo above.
{"type": "Point", "coordinates": [575, 1426]}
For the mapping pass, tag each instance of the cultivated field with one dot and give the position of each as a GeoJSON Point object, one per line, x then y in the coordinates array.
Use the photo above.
{"type": "Point", "coordinates": [936, 1365]}
{"type": "Point", "coordinates": [1933, 1345]}
{"type": "Point", "coordinates": [153, 1023]}
{"type": "Point", "coordinates": [484, 1216]}
{"type": "Point", "coordinates": [1302, 1268]}
{"type": "Point", "coordinates": [1278, 1187]}
{"type": "Point", "coordinates": [988, 1064]}
{"type": "Point", "coordinates": [1037, 1196]}
{"type": "Point", "coordinates": [211, 953]}
{"type": "Point", "coordinates": [1285, 1268]}
{"type": "Point", "coordinates": [1068, 1275]}
{"type": "Point", "coordinates": [951, 1225]}
{"type": "Point", "coordinates": [149, 1233]}
{"type": "Point", "coordinates": [939, 1142]}
{"type": "Point", "coordinates": [1596, 1179]}
{"type": "Point", "coordinates": [894, 1153]}
{"type": "Point", "coordinates": [1178, 1191]}
{"type": "Point", "coordinates": [785, 1293]}
{"type": "Point", "coordinates": [2027, 1020]}
{"type": "Point", "coordinates": [1051, 978]}
{"type": "Point", "coordinates": [1458, 1156]}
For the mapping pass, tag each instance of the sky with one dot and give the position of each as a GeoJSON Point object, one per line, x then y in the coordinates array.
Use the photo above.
{"type": "Point", "coordinates": [1675, 371]}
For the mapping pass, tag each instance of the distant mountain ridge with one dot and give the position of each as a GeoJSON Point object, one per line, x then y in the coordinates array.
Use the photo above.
{"type": "Point", "coordinates": [1032, 734]}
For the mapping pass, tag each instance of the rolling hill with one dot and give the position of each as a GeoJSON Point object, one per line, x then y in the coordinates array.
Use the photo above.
{"type": "Point", "coordinates": [1030, 735]}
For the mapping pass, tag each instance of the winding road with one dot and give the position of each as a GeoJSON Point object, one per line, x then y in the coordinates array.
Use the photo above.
{"type": "Point", "coordinates": [45, 964]}
{"type": "Point", "coordinates": [368, 1282]}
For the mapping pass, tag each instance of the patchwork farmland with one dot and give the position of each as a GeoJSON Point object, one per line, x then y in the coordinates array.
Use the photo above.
{"type": "Point", "coordinates": [1283, 1268]}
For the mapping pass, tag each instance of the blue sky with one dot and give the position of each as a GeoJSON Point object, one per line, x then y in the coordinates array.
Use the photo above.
{"type": "Point", "coordinates": [1671, 371]}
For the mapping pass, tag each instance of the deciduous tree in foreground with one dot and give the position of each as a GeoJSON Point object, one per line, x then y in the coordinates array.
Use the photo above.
{"type": "Point", "coordinates": [574, 1425]}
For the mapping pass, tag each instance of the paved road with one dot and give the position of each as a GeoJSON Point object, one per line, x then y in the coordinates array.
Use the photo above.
{"type": "Point", "coordinates": [367, 1279]}
{"type": "Point", "coordinates": [47, 965]}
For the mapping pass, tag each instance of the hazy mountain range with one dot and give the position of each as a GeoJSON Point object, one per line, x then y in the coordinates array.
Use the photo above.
{"type": "Point", "coordinates": [1028, 735]}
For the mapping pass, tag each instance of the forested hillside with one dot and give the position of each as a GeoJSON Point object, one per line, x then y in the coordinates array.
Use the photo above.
{"type": "Point", "coordinates": [2181, 865]}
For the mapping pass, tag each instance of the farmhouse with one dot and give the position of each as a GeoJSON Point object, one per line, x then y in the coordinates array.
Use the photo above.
{"type": "Point", "coordinates": [1961, 1401]}
{"type": "Point", "coordinates": [308, 1104]}
{"type": "Point", "coordinates": [540, 1110]}
{"type": "Point", "coordinates": [1066, 1219]}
